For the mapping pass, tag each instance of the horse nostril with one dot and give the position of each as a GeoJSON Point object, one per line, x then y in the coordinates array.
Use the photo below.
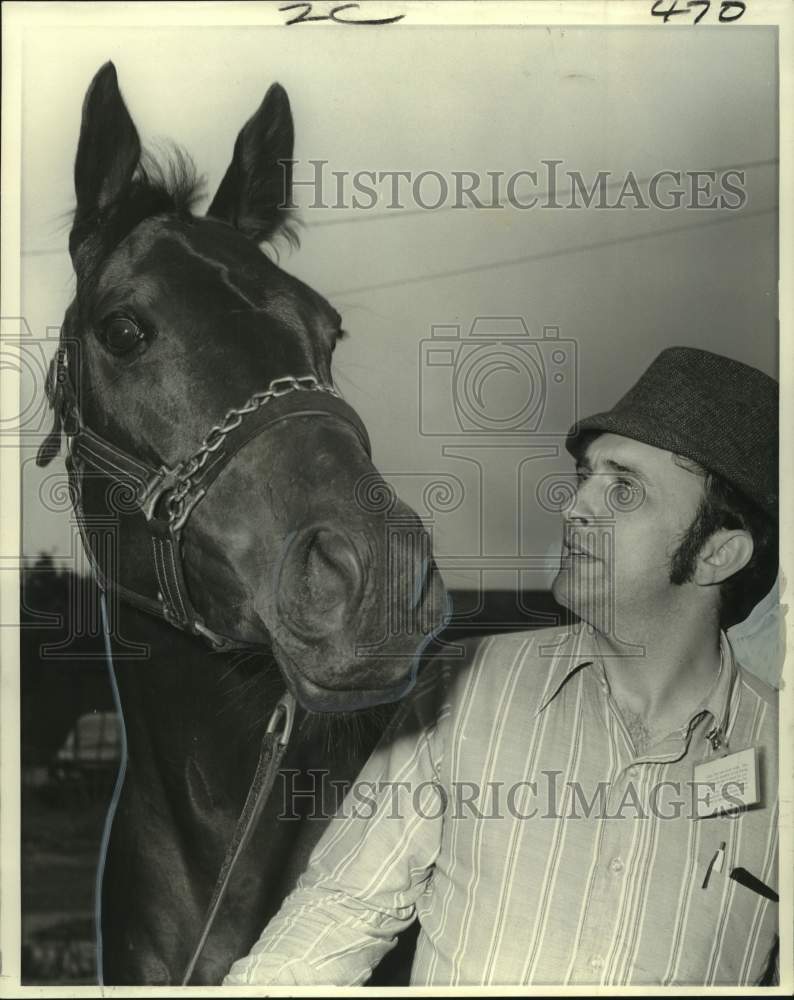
{"type": "Point", "coordinates": [333, 570]}
{"type": "Point", "coordinates": [320, 582]}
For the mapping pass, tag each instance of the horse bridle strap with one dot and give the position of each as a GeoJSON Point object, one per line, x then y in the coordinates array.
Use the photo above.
{"type": "Point", "coordinates": [168, 495]}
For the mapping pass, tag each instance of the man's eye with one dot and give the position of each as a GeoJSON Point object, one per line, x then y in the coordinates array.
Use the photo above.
{"type": "Point", "coordinates": [120, 334]}
{"type": "Point", "coordinates": [631, 485]}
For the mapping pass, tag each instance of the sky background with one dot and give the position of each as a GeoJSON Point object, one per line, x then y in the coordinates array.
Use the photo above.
{"type": "Point", "coordinates": [446, 99]}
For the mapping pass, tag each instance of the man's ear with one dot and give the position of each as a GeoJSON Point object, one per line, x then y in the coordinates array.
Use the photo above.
{"type": "Point", "coordinates": [725, 553]}
{"type": "Point", "coordinates": [256, 191]}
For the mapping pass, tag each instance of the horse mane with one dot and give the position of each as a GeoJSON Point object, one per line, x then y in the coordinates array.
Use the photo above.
{"type": "Point", "coordinates": [172, 183]}
{"type": "Point", "coordinates": [168, 181]}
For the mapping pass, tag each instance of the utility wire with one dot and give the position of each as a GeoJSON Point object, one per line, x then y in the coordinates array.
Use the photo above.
{"type": "Point", "coordinates": [563, 252]}
{"type": "Point", "coordinates": [532, 257]}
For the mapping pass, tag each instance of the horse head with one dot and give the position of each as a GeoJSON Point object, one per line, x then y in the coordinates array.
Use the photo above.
{"type": "Point", "coordinates": [198, 372]}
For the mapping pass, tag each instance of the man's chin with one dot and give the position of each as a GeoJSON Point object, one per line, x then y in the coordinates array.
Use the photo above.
{"type": "Point", "coordinates": [572, 598]}
{"type": "Point", "coordinates": [560, 589]}
{"type": "Point", "coordinates": [582, 605]}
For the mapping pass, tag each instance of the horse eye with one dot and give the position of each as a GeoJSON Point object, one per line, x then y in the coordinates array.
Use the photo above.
{"type": "Point", "coordinates": [120, 334]}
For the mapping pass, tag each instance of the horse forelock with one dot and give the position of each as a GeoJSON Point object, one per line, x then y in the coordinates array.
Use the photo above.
{"type": "Point", "coordinates": [173, 177]}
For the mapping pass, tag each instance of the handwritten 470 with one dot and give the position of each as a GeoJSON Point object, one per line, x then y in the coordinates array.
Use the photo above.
{"type": "Point", "coordinates": [729, 10]}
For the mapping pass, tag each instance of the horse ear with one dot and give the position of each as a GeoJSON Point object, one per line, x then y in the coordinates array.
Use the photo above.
{"type": "Point", "coordinates": [256, 190]}
{"type": "Point", "coordinates": [109, 148]}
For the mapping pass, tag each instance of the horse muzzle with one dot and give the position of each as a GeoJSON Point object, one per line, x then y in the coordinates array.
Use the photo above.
{"type": "Point", "coordinates": [354, 610]}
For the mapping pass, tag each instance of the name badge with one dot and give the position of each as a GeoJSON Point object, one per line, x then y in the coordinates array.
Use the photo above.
{"type": "Point", "coordinates": [727, 783]}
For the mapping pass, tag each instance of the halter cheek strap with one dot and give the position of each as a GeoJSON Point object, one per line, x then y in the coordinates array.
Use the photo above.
{"type": "Point", "coordinates": [166, 497]}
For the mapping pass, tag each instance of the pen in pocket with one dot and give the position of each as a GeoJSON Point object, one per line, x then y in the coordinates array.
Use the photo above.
{"type": "Point", "coordinates": [715, 865]}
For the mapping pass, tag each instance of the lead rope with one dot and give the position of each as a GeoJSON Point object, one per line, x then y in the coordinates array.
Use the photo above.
{"type": "Point", "coordinates": [114, 801]}
{"type": "Point", "coordinates": [274, 744]}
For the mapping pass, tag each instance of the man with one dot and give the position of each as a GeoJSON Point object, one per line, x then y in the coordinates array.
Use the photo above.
{"type": "Point", "coordinates": [536, 804]}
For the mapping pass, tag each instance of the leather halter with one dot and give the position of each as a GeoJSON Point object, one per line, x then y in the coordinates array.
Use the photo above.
{"type": "Point", "coordinates": [168, 495]}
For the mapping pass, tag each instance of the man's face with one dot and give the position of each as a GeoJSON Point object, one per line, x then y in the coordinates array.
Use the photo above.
{"type": "Point", "coordinates": [633, 505]}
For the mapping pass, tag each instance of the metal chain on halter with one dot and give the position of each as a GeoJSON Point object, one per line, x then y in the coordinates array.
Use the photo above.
{"type": "Point", "coordinates": [175, 503]}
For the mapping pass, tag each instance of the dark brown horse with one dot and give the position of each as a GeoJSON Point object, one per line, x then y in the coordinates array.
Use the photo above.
{"type": "Point", "coordinates": [227, 499]}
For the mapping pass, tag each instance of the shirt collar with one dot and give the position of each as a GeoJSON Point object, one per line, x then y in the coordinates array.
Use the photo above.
{"type": "Point", "coordinates": [577, 647]}
{"type": "Point", "coordinates": [573, 649]}
{"type": "Point", "coordinates": [718, 703]}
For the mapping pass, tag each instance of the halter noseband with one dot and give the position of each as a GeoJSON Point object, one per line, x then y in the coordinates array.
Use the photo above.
{"type": "Point", "coordinates": [167, 496]}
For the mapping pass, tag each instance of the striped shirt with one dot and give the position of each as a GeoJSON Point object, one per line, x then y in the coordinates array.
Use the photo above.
{"type": "Point", "coordinates": [506, 808]}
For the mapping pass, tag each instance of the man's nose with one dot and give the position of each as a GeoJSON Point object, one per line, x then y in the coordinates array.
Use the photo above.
{"type": "Point", "coordinates": [584, 506]}
{"type": "Point", "coordinates": [575, 517]}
